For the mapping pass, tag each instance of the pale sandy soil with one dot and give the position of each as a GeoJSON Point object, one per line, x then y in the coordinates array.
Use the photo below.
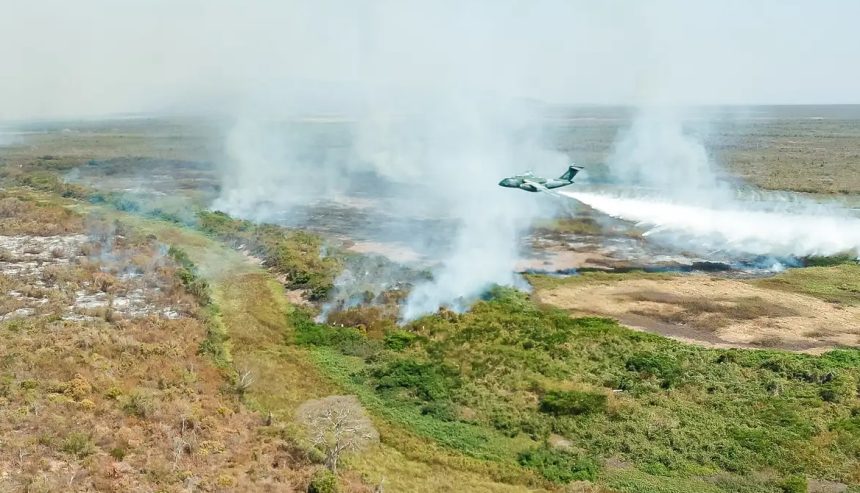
{"type": "Point", "coordinates": [715, 312]}
{"type": "Point", "coordinates": [395, 253]}
{"type": "Point", "coordinates": [557, 258]}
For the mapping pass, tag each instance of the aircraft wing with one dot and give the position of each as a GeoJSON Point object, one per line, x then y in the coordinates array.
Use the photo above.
{"type": "Point", "coordinates": [539, 187]}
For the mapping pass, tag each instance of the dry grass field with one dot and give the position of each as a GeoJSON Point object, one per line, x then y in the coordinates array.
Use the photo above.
{"type": "Point", "coordinates": [102, 385]}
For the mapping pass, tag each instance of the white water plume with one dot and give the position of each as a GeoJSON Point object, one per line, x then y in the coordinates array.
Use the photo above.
{"type": "Point", "coordinates": [790, 228]}
{"type": "Point", "coordinates": [675, 190]}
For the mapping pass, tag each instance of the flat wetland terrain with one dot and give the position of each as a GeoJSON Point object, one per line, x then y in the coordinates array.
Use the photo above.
{"type": "Point", "coordinates": [152, 345]}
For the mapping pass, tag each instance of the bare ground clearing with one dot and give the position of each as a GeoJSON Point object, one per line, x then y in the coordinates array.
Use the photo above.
{"type": "Point", "coordinates": [715, 312]}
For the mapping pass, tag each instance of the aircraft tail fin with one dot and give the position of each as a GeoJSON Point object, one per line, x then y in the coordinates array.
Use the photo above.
{"type": "Point", "coordinates": [570, 173]}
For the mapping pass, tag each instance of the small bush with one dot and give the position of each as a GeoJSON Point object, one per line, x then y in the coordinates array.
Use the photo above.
{"type": "Point", "coordinates": [78, 444]}
{"type": "Point", "coordinates": [662, 367]}
{"type": "Point", "coordinates": [794, 484]}
{"type": "Point", "coordinates": [398, 340]}
{"type": "Point", "coordinates": [113, 392]}
{"type": "Point", "coordinates": [310, 333]}
{"type": "Point", "coordinates": [78, 388]}
{"type": "Point", "coordinates": [572, 403]}
{"type": "Point", "coordinates": [118, 453]}
{"type": "Point", "coordinates": [323, 481]}
{"type": "Point", "coordinates": [138, 404]}
{"type": "Point", "coordinates": [29, 384]}
{"type": "Point", "coordinates": [559, 466]}
{"type": "Point", "coordinates": [837, 389]}
{"type": "Point", "coordinates": [429, 381]}
{"type": "Point", "coordinates": [221, 224]}
{"type": "Point", "coordinates": [442, 410]}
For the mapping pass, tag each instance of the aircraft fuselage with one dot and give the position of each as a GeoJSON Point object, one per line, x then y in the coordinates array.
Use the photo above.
{"type": "Point", "coordinates": [527, 184]}
{"type": "Point", "coordinates": [531, 183]}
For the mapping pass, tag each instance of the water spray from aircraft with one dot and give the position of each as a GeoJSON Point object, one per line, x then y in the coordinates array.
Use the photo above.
{"type": "Point", "coordinates": [754, 228]}
{"type": "Point", "coordinates": [673, 188]}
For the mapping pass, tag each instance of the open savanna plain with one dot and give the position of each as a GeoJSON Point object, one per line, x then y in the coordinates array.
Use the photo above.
{"type": "Point", "coordinates": [152, 345]}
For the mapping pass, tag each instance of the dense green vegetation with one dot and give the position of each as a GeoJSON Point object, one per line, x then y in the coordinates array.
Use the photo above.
{"type": "Point", "coordinates": [296, 254]}
{"type": "Point", "coordinates": [584, 398]}
{"type": "Point", "coordinates": [190, 277]}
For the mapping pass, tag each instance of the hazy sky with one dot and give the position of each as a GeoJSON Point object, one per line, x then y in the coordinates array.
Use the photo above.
{"type": "Point", "coordinates": [92, 57]}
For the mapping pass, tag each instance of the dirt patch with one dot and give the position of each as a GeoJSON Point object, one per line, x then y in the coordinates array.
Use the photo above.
{"type": "Point", "coordinates": [559, 259]}
{"type": "Point", "coordinates": [298, 297]}
{"type": "Point", "coordinates": [393, 252]}
{"type": "Point", "coordinates": [715, 312]}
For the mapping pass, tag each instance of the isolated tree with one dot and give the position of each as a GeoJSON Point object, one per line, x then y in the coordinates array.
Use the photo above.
{"type": "Point", "coordinates": [336, 425]}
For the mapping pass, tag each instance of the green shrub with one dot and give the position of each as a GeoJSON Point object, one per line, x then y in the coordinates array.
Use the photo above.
{"type": "Point", "coordinates": [429, 381]}
{"type": "Point", "coordinates": [559, 466]}
{"type": "Point", "coordinates": [442, 410]}
{"type": "Point", "coordinates": [505, 421]}
{"type": "Point", "coordinates": [29, 384]}
{"type": "Point", "coordinates": [215, 343]}
{"type": "Point", "coordinates": [189, 276]}
{"type": "Point", "coordinates": [794, 484]}
{"type": "Point", "coordinates": [323, 481]}
{"type": "Point", "coordinates": [295, 253]}
{"type": "Point", "coordinates": [850, 424]}
{"type": "Point", "coordinates": [838, 389]}
{"type": "Point", "coordinates": [221, 224]}
{"type": "Point", "coordinates": [572, 402]}
{"type": "Point", "coordinates": [138, 404]}
{"type": "Point", "coordinates": [828, 261]}
{"type": "Point", "coordinates": [310, 333]}
{"type": "Point", "coordinates": [118, 453]}
{"type": "Point", "coordinates": [78, 444]}
{"type": "Point", "coordinates": [398, 340]}
{"type": "Point", "coordinates": [663, 367]}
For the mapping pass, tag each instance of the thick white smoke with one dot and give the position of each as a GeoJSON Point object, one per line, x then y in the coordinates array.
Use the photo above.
{"type": "Point", "coordinates": [462, 168]}
{"type": "Point", "coordinates": [426, 87]}
{"type": "Point", "coordinates": [658, 152]}
{"type": "Point", "coordinates": [441, 164]}
{"type": "Point", "coordinates": [670, 185]}
{"type": "Point", "coordinates": [275, 164]}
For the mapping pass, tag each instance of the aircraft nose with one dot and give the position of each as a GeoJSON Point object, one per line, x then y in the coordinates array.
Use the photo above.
{"type": "Point", "coordinates": [505, 182]}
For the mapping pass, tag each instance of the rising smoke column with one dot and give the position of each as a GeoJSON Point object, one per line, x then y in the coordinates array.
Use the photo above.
{"type": "Point", "coordinates": [657, 152]}
{"type": "Point", "coordinates": [463, 165]}
{"type": "Point", "coordinates": [444, 163]}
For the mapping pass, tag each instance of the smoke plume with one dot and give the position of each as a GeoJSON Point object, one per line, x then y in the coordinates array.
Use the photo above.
{"type": "Point", "coordinates": [418, 102]}
{"type": "Point", "coordinates": [439, 167]}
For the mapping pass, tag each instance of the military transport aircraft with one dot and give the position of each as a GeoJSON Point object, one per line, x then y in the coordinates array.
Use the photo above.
{"type": "Point", "coordinates": [531, 183]}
